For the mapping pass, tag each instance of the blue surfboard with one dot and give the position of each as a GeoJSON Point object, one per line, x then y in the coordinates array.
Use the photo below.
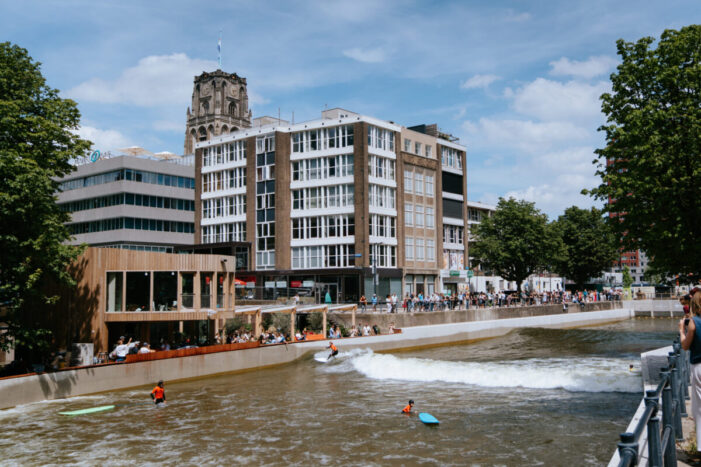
{"type": "Point", "coordinates": [428, 419]}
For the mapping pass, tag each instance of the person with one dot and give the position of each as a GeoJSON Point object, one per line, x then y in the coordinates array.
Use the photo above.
{"type": "Point", "coordinates": [334, 350]}
{"type": "Point", "coordinates": [295, 299]}
{"type": "Point", "coordinates": [409, 408]}
{"type": "Point", "coordinates": [374, 302]}
{"type": "Point", "coordinates": [684, 301]}
{"type": "Point", "coordinates": [690, 337]}
{"type": "Point", "coordinates": [327, 299]}
{"type": "Point", "coordinates": [145, 348]}
{"type": "Point", "coordinates": [120, 352]}
{"type": "Point", "coordinates": [158, 394]}
{"type": "Point", "coordinates": [363, 304]}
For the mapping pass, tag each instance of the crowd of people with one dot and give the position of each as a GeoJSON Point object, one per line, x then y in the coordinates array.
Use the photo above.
{"type": "Point", "coordinates": [463, 300]}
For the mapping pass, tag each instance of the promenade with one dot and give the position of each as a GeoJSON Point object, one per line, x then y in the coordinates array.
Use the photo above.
{"type": "Point", "coordinates": [99, 378]}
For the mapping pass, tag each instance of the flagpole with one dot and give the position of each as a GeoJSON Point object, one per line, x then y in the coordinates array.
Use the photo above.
{"type": "Point", "coordinates": [219, 49]}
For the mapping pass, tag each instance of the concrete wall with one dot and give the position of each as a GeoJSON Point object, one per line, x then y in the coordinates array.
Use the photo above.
{"type": "Point", "coordinates": [23, 390]}
{"type": "Point", "coordinates": [405, 320]}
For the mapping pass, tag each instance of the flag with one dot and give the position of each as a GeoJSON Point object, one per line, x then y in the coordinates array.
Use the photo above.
{"type": "Point", "coordinates": [219, 49]}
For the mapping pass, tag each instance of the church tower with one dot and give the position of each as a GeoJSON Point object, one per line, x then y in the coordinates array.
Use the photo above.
{"type": "Point", "coordinates": [219, 106]}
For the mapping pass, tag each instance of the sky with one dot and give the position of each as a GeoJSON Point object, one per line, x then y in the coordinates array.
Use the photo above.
{"type": "Point", "coordinates": [518, 82]}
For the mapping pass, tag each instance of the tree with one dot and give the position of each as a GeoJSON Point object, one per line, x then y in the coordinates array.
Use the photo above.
{"type": "Point", "coordinates": [627, 278]}
{"type": "Point", "coordinates": [516, 241]}
{"type": "Point", "coordinates": [650, 171]}
{"type": "Point", "coordinates": [591, 245]}
{"type": "Point", "coordinates": [36, 144]}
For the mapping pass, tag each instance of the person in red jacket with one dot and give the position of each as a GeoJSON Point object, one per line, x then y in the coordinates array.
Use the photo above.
{"type": "Point", "coordinates": [158, 394]}
{"type": "Point", "coordinates": [408, 409]}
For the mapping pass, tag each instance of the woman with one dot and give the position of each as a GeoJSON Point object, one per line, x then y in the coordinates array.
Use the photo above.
{"type": "Point", "coordinates": [691, 340]}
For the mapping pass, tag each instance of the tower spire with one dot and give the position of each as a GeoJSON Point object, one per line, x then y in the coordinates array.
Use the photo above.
{"type": "Point", "coordinates": [219, 49]}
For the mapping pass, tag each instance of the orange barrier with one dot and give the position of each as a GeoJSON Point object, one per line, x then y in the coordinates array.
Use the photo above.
{"type": "Point", "coordinates": [311, 337]}
{"type": "Point", "coordinates": [162, 354]}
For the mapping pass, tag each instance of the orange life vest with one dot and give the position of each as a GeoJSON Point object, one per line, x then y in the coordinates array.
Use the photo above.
{"type": "Point", "coordinates": [158, 392]}
{"type": "Point", "coordinates": [333, 347]}
{"type": "Point", "coordinates": [407, 409]}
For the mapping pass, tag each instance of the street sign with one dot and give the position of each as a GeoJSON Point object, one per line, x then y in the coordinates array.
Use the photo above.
{"type": "Point", "coordinates": [358, 255]}
{"type": "Point", "coordinates": [470, 273]}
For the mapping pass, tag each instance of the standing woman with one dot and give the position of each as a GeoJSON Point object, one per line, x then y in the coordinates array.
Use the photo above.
{"type": "Point", "coordinates": [690, 336]}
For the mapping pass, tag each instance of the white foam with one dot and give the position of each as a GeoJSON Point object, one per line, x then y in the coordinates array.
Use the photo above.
{"type": "Point", "coordinates": [580, 374]}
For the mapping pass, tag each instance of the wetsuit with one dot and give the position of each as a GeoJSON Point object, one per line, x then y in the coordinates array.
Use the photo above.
{"type": "Point", "coordinates": [334, 350]}
{"type": "Point", "coordinates": [158, 395]}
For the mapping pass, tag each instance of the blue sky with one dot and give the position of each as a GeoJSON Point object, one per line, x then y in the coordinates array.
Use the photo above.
{"type": "Point", "coordinates": [518, 82]}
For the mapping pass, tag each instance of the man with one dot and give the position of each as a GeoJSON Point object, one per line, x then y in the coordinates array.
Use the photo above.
{"type": "Point", "coordinates": [334, 350]}
{"type": "Point", "coordinates": [120, 352]}
{"type": "Point", "coordinates": [374, 302]}
{"type": "Point", "coordinates": [409, 408]}
{"type": "Point", "coordinates": [159, 394]}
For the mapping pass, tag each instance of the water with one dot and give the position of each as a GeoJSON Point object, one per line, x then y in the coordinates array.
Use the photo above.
{"type": "Point", "coordinates": [532, 397]}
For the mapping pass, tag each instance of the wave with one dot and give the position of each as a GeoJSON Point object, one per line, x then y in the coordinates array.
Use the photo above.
{"type": "Point", "coordinates": [581, 374]}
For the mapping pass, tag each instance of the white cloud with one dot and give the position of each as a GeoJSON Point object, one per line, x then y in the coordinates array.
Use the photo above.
{"type": "Point", "coordinates": [104, 140]}
{"type": "Point", "coordinates": [553, 100]}
{"type": "Point", "coordinates": [478, 81]}
{"type": "Point", "coordinates": [514, 17]}
{"type": "Point", "coordinates": [525, 135]}
{"type": "Point", "coordinates": [167, 125]}
{"type": "Point", "coordinates": [376, 55]}
{"type": "Point", "coordinates": [594, 66]}
{"type": "Point", "coordinates": [156, 80]}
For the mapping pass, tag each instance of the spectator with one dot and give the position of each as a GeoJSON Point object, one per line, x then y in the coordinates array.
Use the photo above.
{"type": "Point", "coordinates": [363, 304]}
{"type": "Point", "coordinates": [120, 351]}
{"type": "Point", "coordinates": [374, 302]}
{"type": "Point", "coordinates": [145, 348]}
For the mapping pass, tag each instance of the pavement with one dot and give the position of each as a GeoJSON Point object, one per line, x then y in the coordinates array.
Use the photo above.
{"type": "Point", "coordinates": [686, 457]}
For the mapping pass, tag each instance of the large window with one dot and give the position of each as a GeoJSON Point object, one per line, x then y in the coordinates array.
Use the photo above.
{"type": "Point", "coordinates": [430, 218]}
{"type": "Point", "coordinates": [430, 250]}
{"type": "Point", "coordinates": [453, 234]}
{"type": "Point", "coordinates": [323, 227]}
{"type": "Point", "coordinates": [419, 249]}
{"type": "Point", "coordinates": [219, 233]}
{"type": "Point", "coordinates": [119, 223]}
{"type": "Point", "coordinates": [383, 256]}
{"type": "Point", "coordinates": [408, 214]}
{"type": "Point", "coordinates": [223, 153]}
{"type": "Point", "coordinates": [380, 138]}
{"type": "Point", "coordinates": [114, 291]}
{"type": "Point", "coordinates": [322, 138]}
{"type": "Point", "coordinates": [451, 158]}
{"type": "Point", "coordinates": [337, 196]}
{"type": "Point", "coordinates": [322, 168]}
{"type": "Point", "coordinates": [419, 215]}
{"type": "Point", "coordinates": [452, 183]}
{"type": "Point", "coordinates": [382, 226]}
{"type": "Point", "coordinates": [408, 181]}
{"type": "Point", "coordinates": [382, 197]}
{"type": "Point", "coordinates": [429, 186]}
{"type": "Point", "coordinates": [452, 208]}
{"type": "Point", "coordinates": [224, 207]}
{"type": "Point", "coordinates": [165, 290]}
{"type": "Point", "coordinates": [138, 291]}
{"type": "Point", "coordinates": [129, 175]}
{"type": "Point", "coordinates": [381, 167]}
{"type": "Point", "coordinates": [327, 256]}
{"type": "Point", "coordinates": [132, 199]}
{"type": "Point", "coordinates": [409, 248]}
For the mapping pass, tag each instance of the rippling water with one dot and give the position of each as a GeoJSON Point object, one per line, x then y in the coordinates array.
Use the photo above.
{"type": "Point", "coordinates": [533, 397]}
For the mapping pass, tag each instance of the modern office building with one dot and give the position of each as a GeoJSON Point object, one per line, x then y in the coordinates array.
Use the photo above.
{"type": "Point", "coordinates": [319, 205]}
{"type": "Point", "coordinates": [131, 202]}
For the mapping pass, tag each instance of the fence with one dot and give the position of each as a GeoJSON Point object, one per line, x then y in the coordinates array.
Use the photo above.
{"type": "Point", "coordinates": [661, 440]}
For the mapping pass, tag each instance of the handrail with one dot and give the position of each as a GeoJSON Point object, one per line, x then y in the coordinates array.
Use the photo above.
{"type": "Point", "coordinates": [673, 388]}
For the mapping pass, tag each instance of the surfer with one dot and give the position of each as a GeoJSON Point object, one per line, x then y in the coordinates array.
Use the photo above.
{"type": "Point", "coordinates": [334, 351]}
{"type": "Point", "coordinates": [158, 394]}
{"type": "Point", "coordinates": [409, 407]}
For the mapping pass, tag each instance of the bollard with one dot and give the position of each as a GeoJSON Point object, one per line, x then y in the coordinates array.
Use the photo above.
{"type": "Point", "coordinates": [628, 447]}
{"type": "Point", "coordinates": [654, 448]}
{"type": "Point", "coordinates": [670, 449]}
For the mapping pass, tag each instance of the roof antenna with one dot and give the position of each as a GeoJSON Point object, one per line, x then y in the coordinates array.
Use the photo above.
{"type": "Point", "coordinates": [293, 117]}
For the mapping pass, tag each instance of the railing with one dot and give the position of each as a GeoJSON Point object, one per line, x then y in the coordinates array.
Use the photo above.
{"type": "Point", "coordinates": [661, 441]}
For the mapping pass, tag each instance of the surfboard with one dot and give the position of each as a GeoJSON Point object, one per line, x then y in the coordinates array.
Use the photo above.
{"type": "Point", "coordinates": [90, 410]}
{"type": "Point", "coordinates": [428, 419]}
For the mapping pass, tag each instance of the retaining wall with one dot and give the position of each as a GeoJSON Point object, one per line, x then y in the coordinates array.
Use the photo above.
{"type": "Point", "coordinates": [88, 380]}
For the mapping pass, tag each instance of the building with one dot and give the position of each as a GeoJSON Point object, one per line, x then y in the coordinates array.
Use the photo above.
{"type": "Point", "coordinates": [484, 281]}
{"type": "Point", "coordinates": [347, 204]}
{"type": "Point", "coordinates": [219, 106]}
{"type": "Point", "coordinates": [133, 202]}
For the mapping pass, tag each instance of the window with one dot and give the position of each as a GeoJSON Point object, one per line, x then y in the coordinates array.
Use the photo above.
{"type": "Point", "coordinates": [409, 248]}
{"type": "Point", "coordinates": [381, 167]}
{"type": "Point", "coordinates": [430, 250]}
{"type": "Point", "coordinates": [419, 249]}
{"type": "Point", "coordinates": [322, 138]}
{"type": "Point", "coordinates": [408, 181]}
{"type": "Point", "coordinates": [417, 148]}
{"type": "Point", "coordinates": [379, 138]}
{"type": "Point", "coordinates": [408, 214]}
{"type": "Point", "coordinates": [407, 145]}
{"type": "Point", "coordinates": [428, 150]}
{"type": "Point", "coordinates": [382, 197]}
{"type": "Point", "coordinates": [430, 218]}
{"type": "Point", "coordinates": [428, 180]}
{"type": "Point", "coordinates": [451, 157]}
{"type": "Point", "coordinates": [419, 215]}
{"type": "Point", "coordinates": [419, 184]}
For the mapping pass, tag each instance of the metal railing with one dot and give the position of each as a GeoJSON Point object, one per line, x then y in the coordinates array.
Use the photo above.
{"type": "Point", "coordinates": [661, 440]}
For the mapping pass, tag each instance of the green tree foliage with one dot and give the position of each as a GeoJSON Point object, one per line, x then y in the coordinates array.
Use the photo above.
{"type": "Point", "coordinates": [591, 246]}
{"type": "Point", "coordinates": [627, 278]}
{"type": "Point", "coordinates": [651, 166]}
{"type": "Point", "coordinates": [36, 144]}
{"type": "Point", "coordinates": [516, 241]}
